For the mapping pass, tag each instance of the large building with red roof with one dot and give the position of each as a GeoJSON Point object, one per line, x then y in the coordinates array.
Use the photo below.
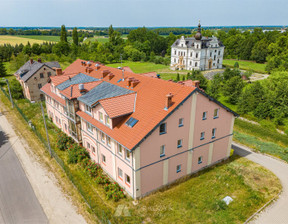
{"type": "Point", "coordinates": [144, 132]}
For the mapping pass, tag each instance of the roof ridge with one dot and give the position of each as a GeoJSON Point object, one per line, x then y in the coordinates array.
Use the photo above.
{"type": "Point", "coordinates": [116, 96]}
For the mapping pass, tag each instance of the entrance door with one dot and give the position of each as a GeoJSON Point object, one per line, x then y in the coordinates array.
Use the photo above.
{"type": "Point", "coordinates": [210, 64]}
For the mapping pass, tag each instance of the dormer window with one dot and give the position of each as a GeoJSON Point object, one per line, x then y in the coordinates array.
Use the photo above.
{"type": "Point", "coordinates": [100, 116]}
{"type": "Point", "coordinates": [107, 120]}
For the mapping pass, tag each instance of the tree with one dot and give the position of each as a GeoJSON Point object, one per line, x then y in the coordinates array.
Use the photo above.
{"type": "Point", "coordinates": [63, 34]}
{"type": "Point", "coordinates": [260, 51]}
{"type": "Point", "coordinates": [233, 89]}
{"type": "Point", "coordinates": [178, 77]}
{"type": "Point", "coordinates": [3, 71]}
{"type": "Point", "coordinates": [16, 89]}
{"type": "Point", "coordinates": [75, 36]}
{"type": "Point", "coordinates": [236, 65]}
{"type": "Point", "coordinates": [214, 86]}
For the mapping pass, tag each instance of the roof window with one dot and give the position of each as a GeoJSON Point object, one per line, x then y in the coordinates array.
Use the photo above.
{"type": "Point", "coordinates": [131, 122]}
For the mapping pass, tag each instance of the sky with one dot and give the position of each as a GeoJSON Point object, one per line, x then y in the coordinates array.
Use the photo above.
{"type": "Point", "coordinates": [138, 13]}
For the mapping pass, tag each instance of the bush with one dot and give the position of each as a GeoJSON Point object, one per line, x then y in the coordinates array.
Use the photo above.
{"type": "Point", "coordinates": [63, 140]}
{"type": "Point", "coordinates": [16, 89]}
{"type": "Point", "coordinates": [268, 124]}
{"type": "Point", "coordinates": [219, 205]}
{"type": "Point", "coordinates": [76, 153]}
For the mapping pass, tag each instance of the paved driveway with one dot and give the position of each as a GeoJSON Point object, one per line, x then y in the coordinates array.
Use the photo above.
{"type": "Point", "coordinates": [277, 213]}
{"type": "Point", "coordinates": [18, 203]}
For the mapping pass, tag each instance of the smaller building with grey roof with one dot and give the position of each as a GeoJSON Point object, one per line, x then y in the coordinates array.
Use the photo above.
{"type": "Point", "coordinates": [35, 74]}
{"type": "Point", "coordinates": [197, 53]}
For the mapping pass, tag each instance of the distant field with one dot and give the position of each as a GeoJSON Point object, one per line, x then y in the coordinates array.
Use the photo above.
{"type": "Point", "coordinates": [246, 65]}
{"type": "Point", "coordinates": [13, 40]}
{"type": "Point", "coordinates": [100, 39]}
{"type": "Point", "coordinates": [44, 38]}
{"type": "Point", "coordinates": [141, 67]}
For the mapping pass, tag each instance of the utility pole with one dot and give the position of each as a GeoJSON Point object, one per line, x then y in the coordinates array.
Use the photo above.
{"type": "Point", "coordinates": [48, 141]}
{"type": "Point", "coordinates": [10, 93]}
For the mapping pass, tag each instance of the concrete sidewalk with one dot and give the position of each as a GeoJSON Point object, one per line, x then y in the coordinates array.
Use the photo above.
{"type": "Point", "coordinates": [277, 212]}
{"type": "Point", "coordinates": [18, 202]}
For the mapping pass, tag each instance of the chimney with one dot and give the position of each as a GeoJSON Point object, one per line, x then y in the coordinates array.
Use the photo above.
{"type": "Point", "coordinates": [31, 61]}
{"type": "Point", "coordinates": [58, 71]}
{"type": "Point", "coordinates": [105, 73]}
{"type": "Point", "coordinates": [129, 80]}
{"type": "Point", "coordinates": [196, 83]}
{"type": "Point", "coordinates": [82, 89]}
{"type": "Point", "coordinates": [110, 76]}
{"type": "Point", "coordinates": [134, 82]}
{"type": "Point", "coordinates": [168, 102]}
{"type": "Point", "coordinates": [39, 60]}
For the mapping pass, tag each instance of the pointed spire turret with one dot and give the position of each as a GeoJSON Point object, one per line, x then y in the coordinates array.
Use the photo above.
{"type": "Point", "coordinates": [198, 35]}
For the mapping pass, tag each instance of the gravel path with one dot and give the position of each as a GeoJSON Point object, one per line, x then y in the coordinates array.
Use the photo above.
{"type": "Point", "coordinates": [277, 212]}
{"type": "Point", "coordinates": [56, 205]}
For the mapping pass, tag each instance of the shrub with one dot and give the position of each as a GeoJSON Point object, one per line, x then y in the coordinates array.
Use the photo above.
{"type": "Point", "coordinates": [76, 153]}
{"type": "Point", "coordinates": [268, 124]}
{"type": "Point", "coordinates": [63, 140]}
{"type": "Point", "coordinates": [219, 205]}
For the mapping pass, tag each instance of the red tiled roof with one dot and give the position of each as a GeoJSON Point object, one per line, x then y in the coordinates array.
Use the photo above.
{"type": "Point", "coordinates": [150, 74]}
{"type": "Point", "coordinates": [58, 79]}
{"type": "Point", "coordinates": [47, 90]}
{"type": "Point", "coordinates": [127, 69]}
{"type": "Point", "coordinates": [73, 91]}
{"type": "Point", "coordinates": [119, 106]}
{"type": "Point", "coordinates": [149, 107]}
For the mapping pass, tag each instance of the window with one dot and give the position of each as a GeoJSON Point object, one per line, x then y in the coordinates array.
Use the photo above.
{"type": "Point", "coordinates": [39, 86]}
{"type": "Point", "coordinates": [200, 160]}
{"type": "Point", "coordinates": [214, 57]}
{"type": "Point", "coordinates": [219, 52]}
{"type": "Point", "coordinates": [175, 52]}
{"type": "Point", "coordinates": [204, 116]}
{"type": "Point", "coordinates": [218, 61]}
{"type": "Point", "coordinates": [103, 158]}
{"type": "Point", "coordinates": [49, 74]}
{"type": "Point", "coordinates": [181, 122]}
{"type": "Point", "coordinates": [89, 127]}
{"type": "Point", "coordinates": [100, 116]}
{"type": "Point", "coordinates": [191, 54]}
{"type": "Point", "coordinates": [127, 179]}
{"type": "Point", "coordinates": [179, 143]}
{"type": "Point", "coordinates": [88, 109]}
{"type": "Point", "coordinates": [216, 113]}
{"type": "Point", "coordinates": [181, 45]}
{"type": "Point", "coordinates": [202, 136]}
{"type": "Point", "coordinates": [175, 60]}
{"type": "Point", "coordinates": [196, 55]}
{"type": "Point", "coordinates": [127, 155]}
{"type": "Point", "coordinates": [210, 54]}
{"type": "Point", "coordinates": [196, 64]}
{"type": "Point", "coordinates": [88, 145]}
{"type": "Point", "coordinates": [190, 62]}
{"type": "Point", "coordinates": [162, 150]}
{"type": "Point", "coordinates": [131, 122]}
{"type": "Point", "coordinates": [107, 120]}
{"type": "Point", "coordinates": [162, 129]}
{"type": "Point", "coordinates": [65, 126]}
{"type": "Point", "coordinates": [41, 75]}
{"type": "Point", "coordinates": [213, 132]}
{"type": "Point", "coordinates": [120, 173]}
{"type": "Point", "coordinates": [120, 149]}
{"type": "Point", "coordinates": [108, 141]}
{"type": "Point", "coordinates": [178, 168]}
{"type": "Point", "coordinates": [102, 137]}
{"type": "Point", "coordinates": [93, 149]}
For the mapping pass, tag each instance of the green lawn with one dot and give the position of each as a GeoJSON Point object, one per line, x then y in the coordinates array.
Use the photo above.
{"type": "Point", "coordinates": [246, 65]}
{"type": "Point", "coordinates": [100, 39]}
{"type": "Point", "coordinates": [140, 67]}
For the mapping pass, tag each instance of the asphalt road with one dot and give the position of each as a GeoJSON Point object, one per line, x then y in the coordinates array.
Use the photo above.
{"type": "Point", "coordinates": [18, 202]}
{"type": "Point", "coordinates": [277, 212]}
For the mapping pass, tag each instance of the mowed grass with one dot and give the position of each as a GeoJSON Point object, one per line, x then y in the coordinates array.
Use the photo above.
{"type": "Point", "coordinates": [13, 40]}
{"type": "Point", "coordinates": [197, 200]}
{"type": "Point", "coordinates": [246, 65]}
{"type": "Point", "coordinates": [43, 38]}
{"type": "Point", "coordinates": [140, 67]}
{"type": "Point", "coordinates": [100, 39]}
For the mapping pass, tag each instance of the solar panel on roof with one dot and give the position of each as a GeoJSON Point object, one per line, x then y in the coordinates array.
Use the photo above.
{"type": "Point", "coordinates": [131, 122]}
{"type": "Point", "coordinates": [119, 80]}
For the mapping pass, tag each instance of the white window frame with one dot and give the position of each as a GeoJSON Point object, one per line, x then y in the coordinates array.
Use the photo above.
{"type": "Point", "coordinates": [202, 135]}
{"type": "Point", "coordinates": [88, 145]}
{"type": "Point", "coordinates": [162, 150]}
{"type": "Point", "coordinates": [120, 173]}
{"type": "Point", "coordinates": [181, 143]}
{"type": "Point", "coordinates": [107, 120]}
{"type": "Point", "coordinates": [102, 137]}
{"type": "Point", "coordinates": [126, 179]}
{"type": "Point", "coordinates": [127, 153]}
{"type": "Point", "coordinates": [178, 168]}
{"type": "Point", "coordinates": [89, 127]}
{"type": "Point", "coordinates": [100, 116]}
{"type": "Point", "coordinates": [214, 133]}
{"type": "Point", "coordinates": [103, 158]}
{"type": "Point", "coordinates": [108, 141]}
{"type": "Point", "coordinates": [118, 149]}
{"type": "Point", "coordinates": [88, 109]}
{"type": "Point", "coordinates": [204, 116]}
{"type": "Point", "coordinates": [181, 122]}
{"type": "Point", "coordinates": [217, 113]}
